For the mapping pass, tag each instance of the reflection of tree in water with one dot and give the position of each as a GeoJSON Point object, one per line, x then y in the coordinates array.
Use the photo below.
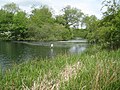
{"type": "Point", "coordinates": [77, 48]}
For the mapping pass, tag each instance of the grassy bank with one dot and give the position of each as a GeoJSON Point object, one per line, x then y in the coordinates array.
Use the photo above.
{"type": "Point", "coordinates": [100, 71]}
{"type": "Point", "coordinates": [91, 70]}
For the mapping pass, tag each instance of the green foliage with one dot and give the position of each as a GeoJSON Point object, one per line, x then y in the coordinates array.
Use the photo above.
{"type": "Point", "coordinates": [13, 22]}
{"type": "Point", "coordinates": [91, 22]}
{"type": "Point", "coordinates": [107, 30]}
{"type": "Point", "coordinates": [39, 25]}
{"type": "Point", "coordinates": [110, 29]}
{"type": "Point", "coordinates": [72, 17]}
{"type": "Point", "coordinates": [41, 15]}
{"type": "Point", "coordinates": [20, 21]}
{"type": "Point", "coordinates": [60, 19]}
{"type": "Point", "coordinates": [110, 25]}
{"type": "Point", "coordinates": [48, 32]}
{"type": "Point", "coordinates": [112, 7]}
{"type": "Point", "coordinates": [43, 26]}
{"type": "Point", "coordinates": [11, 8]}
{"type": "Point", "coordinates": [6, 20]}
{"type": "Point", "coordinates": [80, 33]}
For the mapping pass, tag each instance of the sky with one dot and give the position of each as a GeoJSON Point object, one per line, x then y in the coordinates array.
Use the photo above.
{"type": "Point", "coordinates": [90, 7]}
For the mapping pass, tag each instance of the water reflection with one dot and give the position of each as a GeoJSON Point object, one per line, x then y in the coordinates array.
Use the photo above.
{"type": "Point", "coordinates": [51, 53]}
{"type": "Point", "coordinates": [17, 52]}
{"type": "Point", "coordinates": [77, 48]}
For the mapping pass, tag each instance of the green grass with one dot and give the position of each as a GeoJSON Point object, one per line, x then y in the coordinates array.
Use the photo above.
{"type": "Point", "coordinates": [28, 72]}
{"type": "Point", "coordinates": [100, 71]}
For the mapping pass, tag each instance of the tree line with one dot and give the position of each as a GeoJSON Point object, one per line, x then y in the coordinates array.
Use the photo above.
{"type": "Point", "coordinates": [41, 24]}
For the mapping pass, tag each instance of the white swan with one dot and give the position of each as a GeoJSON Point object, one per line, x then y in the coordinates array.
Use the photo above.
{"type": "Point", "coordinates": [51, 45]}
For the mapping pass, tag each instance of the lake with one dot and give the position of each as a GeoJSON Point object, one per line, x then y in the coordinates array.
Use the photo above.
{"type": "Point", "coordinates": [16, 52]}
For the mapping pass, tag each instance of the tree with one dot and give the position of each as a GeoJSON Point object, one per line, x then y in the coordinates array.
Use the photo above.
{"type": "Point", "coordinates": [11, 8]}
{"type": "Point", "coordinates": [39, 18]}
{"type": "Point", "coordinates": [90, 22]}
{"type": "Point", "coordinates": [13, 21]}
{"type": "Point", "coordinates": [6, 20]}
{"type": "Point", "coordinates": [41, 15]}
{"type": "Point", "coordinates": [60, 20]}
{"type": "Point", "coordinates": [111, 20]}
{"type": "Point", "coordinates": [107, 32]}
{"type": "Point", "coordinates": [112, 7]}
{"type": "Point", "coordinates": [72, 17]}
{"type": "Point", "coordinates": [20, 22]}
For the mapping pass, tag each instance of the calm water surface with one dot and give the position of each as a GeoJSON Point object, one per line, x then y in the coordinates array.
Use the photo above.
{"type": "Point", "coordinates": [16, 52]}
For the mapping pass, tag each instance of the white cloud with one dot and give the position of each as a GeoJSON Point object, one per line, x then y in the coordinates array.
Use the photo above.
{"type": "Point", "coordinates": [91, 7]}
